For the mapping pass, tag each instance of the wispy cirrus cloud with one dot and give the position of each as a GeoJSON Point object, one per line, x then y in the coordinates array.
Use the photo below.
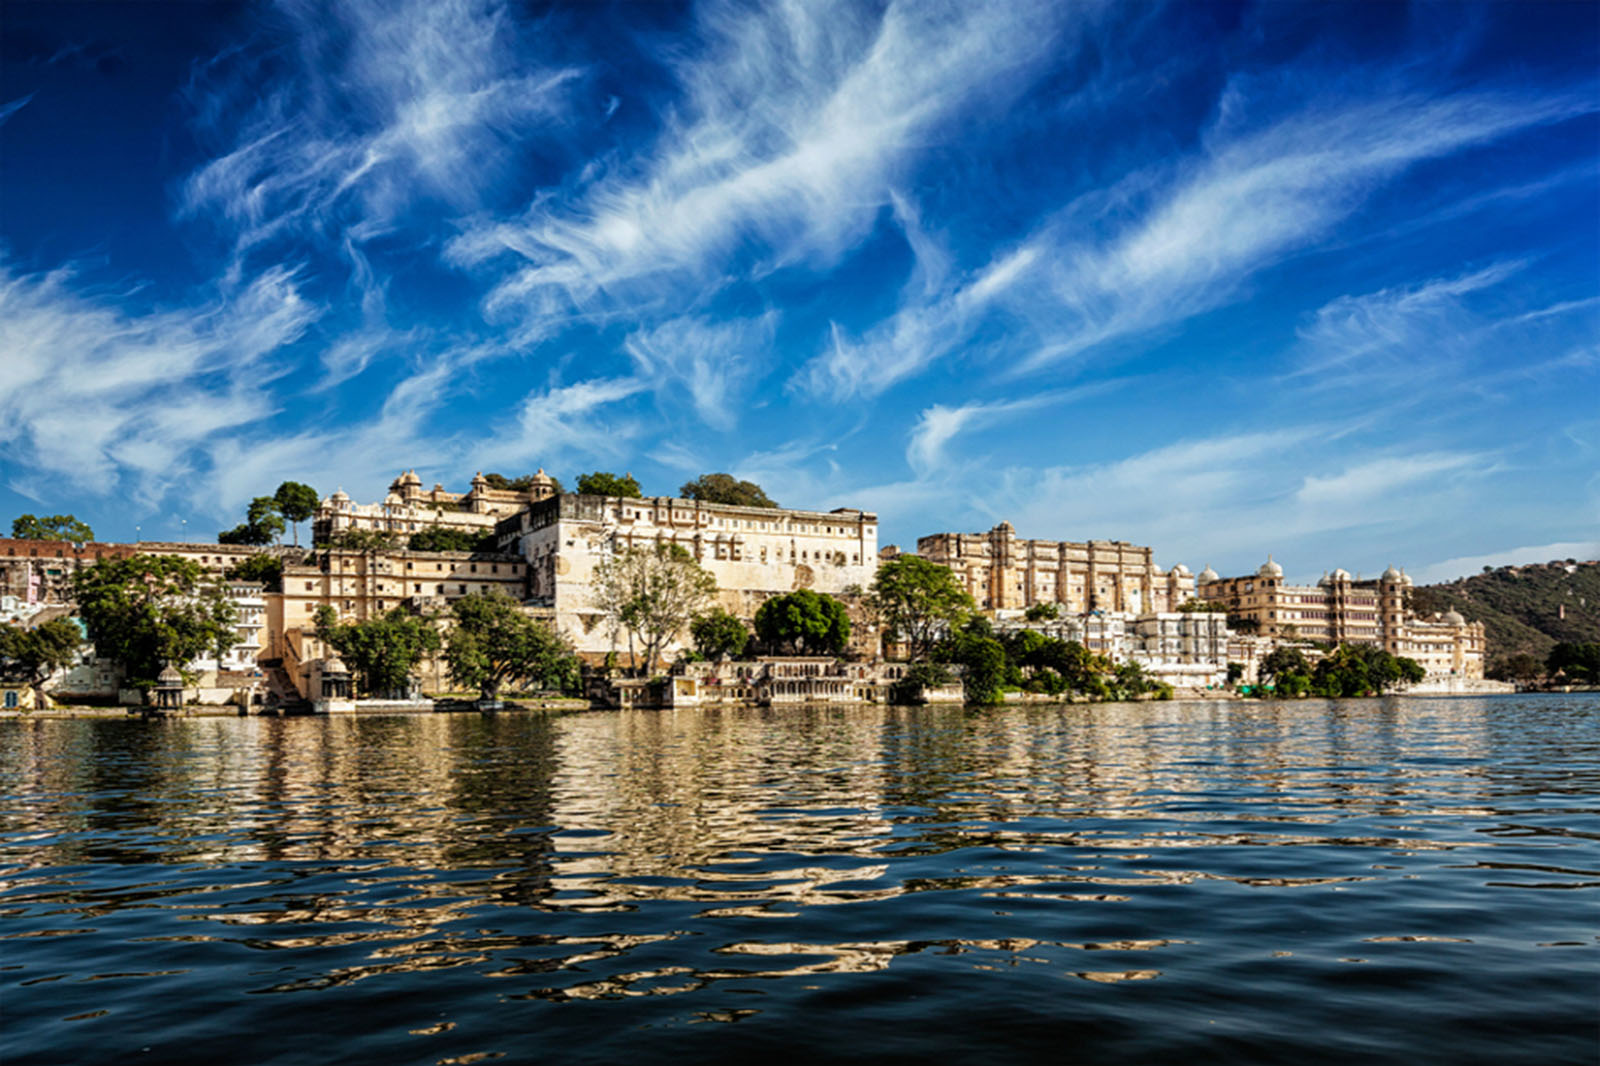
{"type": "Point", "coordinates": [714, 362]}
{"type": "Point", "coordinates": [1117, 264]}
{"type": "Point", "coordinates": [793, 123]}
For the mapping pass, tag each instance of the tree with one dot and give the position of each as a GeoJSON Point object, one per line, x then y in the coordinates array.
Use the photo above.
{"type": "Point", "coordinates": [1042, 612]}
{"type": "Point", "coordinates": [263, 515]}
{"type": "Point", "coordinates": [1235, 673]}
{"type": "Point", "coordinates": [519, 484]}
{"type": "Point", "coordinates": [982, 658]}
{"type": "Point", "coordinates": [919, 602]}
{"type": "Point", "coordinates": [605, 483]}
{"type": "Point", "coordinates": [147, 610]}
{"type": "Point", "coordinates": [39, 652]}
{"type": "Point", "coordinates": [1284, 662]}
{"type": "Point", "coordinates": [1203, 606]}
{"type": "Point", "coordinates": [382, 651]}
{"type": "Point", "coordinates": [725, 488]}
{"type": "Point", "coordinates": [51, 527]}
{"type": "Point", "coordinates": [246, 534]}
{"type": "Point", "coordinates": [919, 677]}
{"type": "Point", "coordinates": [717, 633]}
{"type": "Point", "coordinates": [1579, 662]}
{"type": "Point", "coordinates": [809, 623]}
{"type": "Point", "coordinates": [1521, 667]}
{"type": "Point", "coordinates": [297, 502]}
{"type": "Point", "coordinates": [494, 645]}
{"type": "Point", "coordinates": [445, 539]}
{"type": "Point", "coordinates": [261, 567]}
{"type": "Point", "coordinates": [366, 540]}
{"type": "Point", "coordinates": [652, 593]}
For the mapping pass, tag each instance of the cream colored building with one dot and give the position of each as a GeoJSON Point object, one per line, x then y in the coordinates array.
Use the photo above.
{"type": "Point", "coordinates": [1340, 609]}
{"type": "Point", "coordinates": [365, 584]}
{"type": "Point", "coordinates": [1004, 572]}
{"type": "Point", "coordinates": [408, 508]}
{"type": "Point", "coordinates": [753, 552]}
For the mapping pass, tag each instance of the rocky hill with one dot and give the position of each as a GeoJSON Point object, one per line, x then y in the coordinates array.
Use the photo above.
{"type": "Point", "coordinates": [1523, 608]}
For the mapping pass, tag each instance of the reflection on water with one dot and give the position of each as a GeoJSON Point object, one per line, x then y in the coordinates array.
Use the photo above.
{"type": "Point", "coordinates": [1377, 879]}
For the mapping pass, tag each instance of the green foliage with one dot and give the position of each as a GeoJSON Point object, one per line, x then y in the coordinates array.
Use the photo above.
{"type": "Point", "coordinates": [297, 502]}
{"type": "Point", "coordinates": [147, 610]}
{"type": "Point", "coordinates": [1579, 662]}
{"type": "Point", "coordinates": [51, 527]}
{"type": "Point", "coordinates": [982, 658]}
{"type": "Point", "coordinates": [919, 677]}
{"type": "Point", "coordinates": [261, 567]}
{"type": "Point", "coordinates": [1523, 608]}
{"type": "Point", "coordinates": [246, 534]}
{"type": "Point", "coordinates": [1203, 607]}
{"type": "Point", "coordinates": [652, 593]}
{"type": "Point", "coordinates": [1042, 612]}
{"type": "Point", "coordinates": [1235, 673]}
{"type": "Point", "coordinates": [367, 540]}
{"type": "Point", "coordinates": [805, 622]}
{"type": "Point", "coordinates": [605, 483]}
{"type": "Point", "coordinates": [39, 652]}
{"type": "Point", "coordinates": [918, 602]}
{"type": "Point", "coordinates": [445, 539]}
{"type": "Point", "coordinates": [1347, 670]}
{"type": "Point", "coordinates": [382, 651]}
{"type": "Point", "coordinates": [717, 633]}
{"type": "Point", "coordinates": [725, 488]}
{"type": "Point", "coordinates": [263, 514]}
{"type": "Point", "coordinates": [519, 484]}
{"type": "Point", "coordinates": [494, 645]}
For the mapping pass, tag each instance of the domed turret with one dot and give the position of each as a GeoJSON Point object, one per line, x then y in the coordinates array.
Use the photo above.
{"type": "Point", "coordinates": [1391, 576]}
{"type": "Point", "coordinates": [410, 478]}
{"type": "Point", "coordinates": [1208, 575]}
{"type": "Point", "coordinates": [1453, 618]}
{"type": "Point", "coordinates": [479, 481]}
{"type": "Point", "coordinates": [1179, 570]}
{"type": "Point", "coordinates": [1270, 569]}
{"type": "Point", "coordinates": [1340, 574]}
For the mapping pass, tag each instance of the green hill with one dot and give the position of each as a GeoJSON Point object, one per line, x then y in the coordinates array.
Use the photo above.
{"type": "Point", "coordinates": [1523, 608]}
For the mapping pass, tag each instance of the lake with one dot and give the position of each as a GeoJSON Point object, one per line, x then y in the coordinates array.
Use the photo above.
{"type": "Point", "coordinates": [1390, 880]}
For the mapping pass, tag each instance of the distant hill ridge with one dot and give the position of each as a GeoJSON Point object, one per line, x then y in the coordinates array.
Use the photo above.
{"type": "Point", "coordinates": [1521, 607]}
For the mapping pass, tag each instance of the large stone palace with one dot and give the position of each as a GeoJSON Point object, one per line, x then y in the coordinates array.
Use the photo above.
{"type": "Point", "coordinates": [408, 508]}
{"type": "Point", "coordinates": [1342, 609]}
{"type": "Point", "coordinates": [753, 552]}
{"type": "Point", "coordinates": [1004, 572]}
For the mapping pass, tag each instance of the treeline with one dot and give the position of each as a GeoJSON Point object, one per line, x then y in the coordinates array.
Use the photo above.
{"type": "Point", "coordinates": [1348, 670]}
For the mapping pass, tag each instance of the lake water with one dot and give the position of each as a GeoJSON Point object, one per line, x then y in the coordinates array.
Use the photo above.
{"type": "Point", "coordinates": [1397, 880]}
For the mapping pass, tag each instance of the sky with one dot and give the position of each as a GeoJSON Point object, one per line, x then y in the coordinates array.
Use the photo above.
{"type": "Point", "coordinates": [1320, 281]}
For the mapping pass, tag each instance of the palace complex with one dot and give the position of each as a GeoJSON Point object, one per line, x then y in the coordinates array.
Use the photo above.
{"type": "Point", "coordinates": [1003, 572]}
{"type": "Point", "coordinates": [1342, 609]}
{"type": "Point", "coordinates": [1109, 595]}
{"type": "Point", "coordinates": [754, 553]}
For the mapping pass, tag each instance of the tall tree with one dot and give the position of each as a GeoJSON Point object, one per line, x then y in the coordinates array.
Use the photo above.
{"type": "Point", "coordinates": [40, 651]}
{"type": "Point", "coordinates": [297, 502]}
{"type": "Point", "coordinates": [725, 488]}
{"type": "Point", "coordinates": [806, 622]}
{"type": "Point", "coordinates": [147, 610]}
{"type": "Point", "coordinates": [605, 483]}
{"type": "Point", "coordinates": [717, 633]}
{"type": "Point", "coordinates": [262, 567]}
{"type": "Point", "coordinates": [51, 527]}
{"type": "Point", "coordinates": [493, 644]}
{"type": "Point", "coordinates": [919, 602]}
{"type": "Point", "coordinates": [263, 514]}
{"type": "Point", "coordinates": [653, 593]}
{"type": "Point", "coordinates": [383, 651]}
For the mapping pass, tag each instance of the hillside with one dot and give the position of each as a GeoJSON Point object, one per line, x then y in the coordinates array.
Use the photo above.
{"type": "Point", "coordinates": [1521, 606]}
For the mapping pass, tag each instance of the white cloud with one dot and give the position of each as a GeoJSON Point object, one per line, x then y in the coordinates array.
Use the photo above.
{"type": "Point", "coordinates": [794, 122]}
{"type": "Point", "coordinates": [1467, 565]}
{"type": "Point", "coordinates": [715, 362]}
{"type": "Point", "coordinates": [1192, 236]}
{"type": "Point", "coordinates": [12, 107]}
{"type": "Point", "coordinates": [1362, 484]}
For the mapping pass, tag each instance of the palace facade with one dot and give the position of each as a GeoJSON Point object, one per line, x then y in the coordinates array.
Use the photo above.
{"type": "Point", "coordinates": [753, 552]}
{"type": "Point", "coordinates": [1004, 572]}
{"type": "Point", "coordinates": [1341, 609]}
{"type": "Point", "coordinates": [408, 508]}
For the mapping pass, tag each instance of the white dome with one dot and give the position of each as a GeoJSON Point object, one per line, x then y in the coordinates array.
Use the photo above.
{"type": "Point", "coordinates": [1453, 618]}
{"type": "Point", "coordinates": [1340, 574]}
{"type": "Point", "coordinates": [1208, 575]}
{"type": "Point", "coordinates": [1391, 575]}
{"type": "Point", "coordinates": [1270, 569]}
{"type": "Point", "coordinates": [1180, 570]}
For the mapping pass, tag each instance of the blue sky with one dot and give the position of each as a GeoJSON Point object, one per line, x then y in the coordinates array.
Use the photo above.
{"type": "Point", "coordinates": [1315, 280]}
